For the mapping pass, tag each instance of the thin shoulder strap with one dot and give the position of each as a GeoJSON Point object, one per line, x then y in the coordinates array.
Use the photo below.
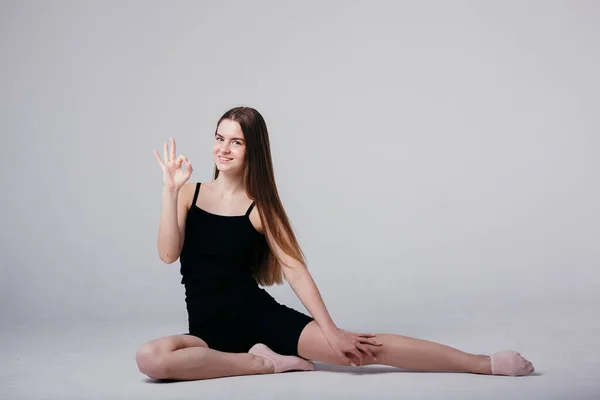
{"type": "Point", "coordinates": [196, 193]}
{"type": "Point", "coordinates": [250, 209]}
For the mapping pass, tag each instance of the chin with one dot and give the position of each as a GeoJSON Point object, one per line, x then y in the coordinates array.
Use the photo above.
{"type": "Point", "coordinates": [228, 168]}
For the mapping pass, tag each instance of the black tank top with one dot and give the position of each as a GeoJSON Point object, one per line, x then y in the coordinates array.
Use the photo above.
{"type": "Point", "coordinates": [218, 255]}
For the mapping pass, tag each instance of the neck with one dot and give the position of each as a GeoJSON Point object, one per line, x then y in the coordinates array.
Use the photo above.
{"type": "Point", "coordinates": [228, 184]}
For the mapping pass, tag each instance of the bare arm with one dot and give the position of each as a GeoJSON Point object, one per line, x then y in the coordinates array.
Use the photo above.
{"type": "Point", "coordinates": [175, 203]}
{"type": "Point", "coordinates": [345, 344]}
{"type": "Point", "coordinates": [303, 285]}
{"type": "Point", "coordinates": [171, 230]}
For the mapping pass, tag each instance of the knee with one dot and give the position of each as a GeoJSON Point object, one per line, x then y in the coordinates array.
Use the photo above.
{"type": "Point", "coordinates": [150, 360]}
{"type": "Point", "coordinates": [378, 353]}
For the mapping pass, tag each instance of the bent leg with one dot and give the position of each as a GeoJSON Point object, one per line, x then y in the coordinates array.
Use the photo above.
{"type": "Point", "coordinates": [187, 357]}
{"type": "Point", "coordinates": [399, 351]}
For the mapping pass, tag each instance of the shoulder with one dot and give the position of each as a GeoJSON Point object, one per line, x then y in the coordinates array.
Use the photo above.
{"type": "Point", "coordinates": [256, 220]}
{"type": "Point", "coordinates": [261, 225]}
{"type": "Point", "coordinates": [186, 193]}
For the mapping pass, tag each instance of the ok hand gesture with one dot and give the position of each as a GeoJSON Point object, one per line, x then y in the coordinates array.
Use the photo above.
{"type": "Point", "coordinates": [174, 178]}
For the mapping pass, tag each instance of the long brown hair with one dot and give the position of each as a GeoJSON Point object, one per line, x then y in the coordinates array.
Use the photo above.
{"type": "Point", "coordinates": [260, 187]}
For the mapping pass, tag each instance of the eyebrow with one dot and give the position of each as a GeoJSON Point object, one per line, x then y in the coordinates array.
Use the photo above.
{"type": "Point", "coordinates": [235, 138]}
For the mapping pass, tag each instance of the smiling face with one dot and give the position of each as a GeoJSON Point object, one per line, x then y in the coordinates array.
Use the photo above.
{"type": "Point", "coordinates": [229, 149]}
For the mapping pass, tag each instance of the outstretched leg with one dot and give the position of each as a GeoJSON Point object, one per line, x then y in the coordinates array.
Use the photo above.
{"type": "Point", "coordinates": [411, 353]}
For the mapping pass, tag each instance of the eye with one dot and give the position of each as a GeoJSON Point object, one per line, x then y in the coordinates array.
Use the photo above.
{"type": "Point", "coordinates": [219, 138]}
{"type": "Point", "coordinates": [235, 141]}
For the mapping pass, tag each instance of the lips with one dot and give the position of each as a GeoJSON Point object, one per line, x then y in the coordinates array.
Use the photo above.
{"type": "Point", "coordinates": [225, 159]}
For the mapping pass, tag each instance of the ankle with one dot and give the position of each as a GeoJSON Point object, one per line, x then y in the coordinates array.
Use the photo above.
{"type": "Point", "coordinates": [262, 365]}
{"type": "Point", "coordinates": [482, 364]}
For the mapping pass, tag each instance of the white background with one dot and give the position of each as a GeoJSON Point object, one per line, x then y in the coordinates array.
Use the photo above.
{"type": "Point", "coordinates": [438, 161]}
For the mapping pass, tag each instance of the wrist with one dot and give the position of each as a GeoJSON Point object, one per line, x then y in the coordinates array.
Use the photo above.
{"type": "Point", "coordinates": [328, 329]}
{"type": "Point", "coordinates": [170, 191]}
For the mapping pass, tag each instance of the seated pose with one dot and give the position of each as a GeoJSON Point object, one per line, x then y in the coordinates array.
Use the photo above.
{"type": "Point", "coordinates": [231, 235]}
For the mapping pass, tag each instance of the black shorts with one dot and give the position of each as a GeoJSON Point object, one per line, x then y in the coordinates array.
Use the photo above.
{"type": "Point", "coordinates": [236, 331]}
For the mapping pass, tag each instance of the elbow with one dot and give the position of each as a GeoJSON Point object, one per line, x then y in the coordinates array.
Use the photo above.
{"type": "Point", "coordinates": [169, 254]}
{"type": "Point", "coordinates": [168, 258]}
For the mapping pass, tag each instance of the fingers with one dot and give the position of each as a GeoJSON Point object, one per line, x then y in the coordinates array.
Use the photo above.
{"type": "Point", "coordinates": [158, 158]}
{"type": "Point", "coordinates": [351, 357]}
{"type": "Point", "coordinates": [364, 338]}
{"type": "Point", "coordinates": [182, 160]}
{"type": "Point", "coordinates": [354, 362]}
{"type": "Point", "coordinates": [343, 356]}
{"type": "Point", "coordinates": [173, 149]}
{"type": "Point", "coordinates": [363, 335]}
{"type": "Point", "coordinates": [364, 345]}
{"type": "Point", "coordinates": [359, 354]}
{"type": "Point", "coordinates": [367, 351]}
{"type": "Point", "coordinates": [361, 346]}
{"type": "Point", "coordinates": [188, 168]}
{"type": "Point", "coordinates": [169, 156]}
{"type": "Point", "coordinates": [355, 356]}
{"type": "Point", "coordinates": [356, 353]}
{"type": "Point", "coordinates": [372, 342]}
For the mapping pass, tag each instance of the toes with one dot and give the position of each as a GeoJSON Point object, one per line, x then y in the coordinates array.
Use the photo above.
{"type": "Point", "coordinates": [510, 363]}
{"type": "Point", "coordinates": [531, 368]}
{"type": "Point", "coordinates": [528, 367]}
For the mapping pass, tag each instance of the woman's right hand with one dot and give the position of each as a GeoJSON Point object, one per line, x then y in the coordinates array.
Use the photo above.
{"type": "Point", "coordinates": [174, 178]}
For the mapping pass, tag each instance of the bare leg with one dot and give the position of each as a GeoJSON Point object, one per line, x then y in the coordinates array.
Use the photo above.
{"type": "Point", "coordinates": [400, 351]}
{"type": "Point", "coordinates": [419, 354]}
{"type": "Point", "coordinates": [411, 353]}
{"type": "Point", "coordinates": [186, 357]}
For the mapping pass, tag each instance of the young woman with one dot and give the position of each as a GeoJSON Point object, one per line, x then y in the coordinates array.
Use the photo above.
{"type": "Point", "coordinates": [232, 234]}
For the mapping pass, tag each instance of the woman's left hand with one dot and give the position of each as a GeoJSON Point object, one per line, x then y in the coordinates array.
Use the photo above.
{"type": "Point", "coordinates": [349, 344]}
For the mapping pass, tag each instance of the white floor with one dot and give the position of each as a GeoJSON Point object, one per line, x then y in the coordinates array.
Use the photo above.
{"type": "Point", "coordinates": [97, 362]}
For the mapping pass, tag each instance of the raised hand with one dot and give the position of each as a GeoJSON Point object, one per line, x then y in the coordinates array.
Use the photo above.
{"type": "Point", "coordinates": [174, 178]}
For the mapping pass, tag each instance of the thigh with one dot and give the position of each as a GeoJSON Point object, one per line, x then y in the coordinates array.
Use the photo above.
{"type": "Point", "coordinates": [172, 343]}
{"type": "Point", "coordinates": [279, 327]}
{"type": "Point", "coordinates": [150, 357]}
{"type": "Point", "coordinates": [230, 331]}
{"type": "Point", "coordinates": [228, 339]}
{"type": "Point", "coordinates": [313, 346]}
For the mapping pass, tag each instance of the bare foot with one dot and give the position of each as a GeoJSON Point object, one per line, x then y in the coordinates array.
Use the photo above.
{"type": "Point", "coordinates": [510, 363]}
{"type": "Point", "coordinates": [281, 363]}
